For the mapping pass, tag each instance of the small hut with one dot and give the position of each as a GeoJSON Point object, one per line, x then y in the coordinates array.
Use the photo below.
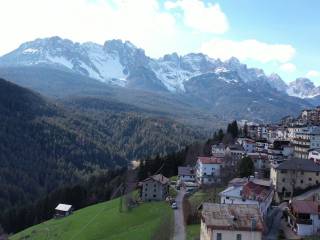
{"type": "Point", "coordinates": [63, 210]}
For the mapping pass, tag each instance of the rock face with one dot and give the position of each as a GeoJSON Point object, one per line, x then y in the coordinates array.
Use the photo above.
{"type": "Point", "coordinates": [303, 88]}
{"type": "Point", "coordinates": [212, 82]}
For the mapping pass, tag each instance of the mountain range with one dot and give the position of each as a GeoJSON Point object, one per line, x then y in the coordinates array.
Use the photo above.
{"type": "Point", "coordinates": [222, 89]}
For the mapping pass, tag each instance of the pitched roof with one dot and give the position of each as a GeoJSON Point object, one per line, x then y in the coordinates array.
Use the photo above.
{"type": "Point", "coordinates": [63, 207]}
{"type": "Point", "coordinates": [210, 160]}
{"type": "Point", "coordinates": [186, 171]}
{"type": "Point", "coordinates": [243, 217]}
{"type": "Point", "coordinates": [305, 206]}
{"type": "Point", "coordinates": [256, 192]}
{"type": "Point", "coordinates": [158, 178]}
{"type": "Point", "coordinates": [232, 191]}
{"type": "Point", "coordinates": [299, 164]}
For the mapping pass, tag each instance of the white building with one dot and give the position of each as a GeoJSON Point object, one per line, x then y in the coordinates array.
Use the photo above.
{"type": "Point", "coordinates": [314, 155]}
{"type": "Point", "coordinates": [306, 139]}
{"type": "Point", "coordinates": [186, 174]}
{"type": "Point", "coordinates": [255, 191]}
{"type": "Point", "coordinates": [208, 170]}
{"type": "Point", "coordinates": [248, 144]}
{"type": "Point", "coordinates": [218, 150]}
{"type": "Point", "coordinates": [262, 132]}
{"type": "Point", "coordinates": [235, 151]}
{"type": "Point", "coordinates": [262, 146]}
{"type": "Point", "coordinates": [304, 217]}
{"type": "Point", "coordinates": [63, 210]}
{"type": "Point", "coordinates": [227, 222]}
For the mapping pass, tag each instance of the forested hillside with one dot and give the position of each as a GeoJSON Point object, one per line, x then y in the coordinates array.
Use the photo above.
{"type": "Point", "coordinates": [44, 145]}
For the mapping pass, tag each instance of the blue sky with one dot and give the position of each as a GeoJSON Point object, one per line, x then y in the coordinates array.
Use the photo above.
{"type": "Point", "coordinates": [290, 22]}
{"type": "Point", "coordinates": [277, 36]}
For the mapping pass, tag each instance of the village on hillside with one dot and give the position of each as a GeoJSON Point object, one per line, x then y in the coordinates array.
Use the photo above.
{"type": "Point", "coordinates": [262, 182]}
{"type": "Point", "coordinates": [256, 182]}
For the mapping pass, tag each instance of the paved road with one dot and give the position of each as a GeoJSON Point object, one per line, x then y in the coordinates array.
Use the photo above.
{"type": "Point", "coordinates": [274, 221]}
{"type": "Point", "coordinates": [179, 226]}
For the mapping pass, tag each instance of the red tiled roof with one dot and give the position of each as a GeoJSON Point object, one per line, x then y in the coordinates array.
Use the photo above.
{"type": "Point", "coordinates": [255, 191]}
{"type": "Point", "coordinates": [210, 160]}
{"type": "Point", "coordinates": [305, 206]}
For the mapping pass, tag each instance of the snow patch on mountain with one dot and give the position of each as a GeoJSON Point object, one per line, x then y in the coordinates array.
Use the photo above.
{"type": "Point", "coordinates": [30, 51]}
{"type": "Point", "coordinates": [60, 60]}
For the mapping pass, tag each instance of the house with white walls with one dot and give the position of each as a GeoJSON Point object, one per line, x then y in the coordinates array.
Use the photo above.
{"type": "Point", "coordinates": [208, 170]}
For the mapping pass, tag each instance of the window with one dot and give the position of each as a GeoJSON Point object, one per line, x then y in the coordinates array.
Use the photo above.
{"type": "Point", "coordinates": [302, 172]}
{"type": "Point", "coordinates": [239, 236]}
{"type": "Point", "coordinates": [317, 173]}
{"type": "Point", "coordinates": [219, 236]}
{"type": "Point", "coordinates": [154, 195]}
{"type": "Point", "coordinates": [301, 181]}
{"type": "Point", "coordinates": [283, 179]}
{"type": "Point", "coordinates": [310, 179]}
{"type": "Point", "coordinates": [283, 171]}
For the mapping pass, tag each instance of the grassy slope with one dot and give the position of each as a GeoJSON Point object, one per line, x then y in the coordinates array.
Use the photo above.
{"type": "Point", "coordinates": [209, 195]}
{"type": "Point", "coordinates": [101, 221]}
{"type": "Point", "coordinates": [193, 231]}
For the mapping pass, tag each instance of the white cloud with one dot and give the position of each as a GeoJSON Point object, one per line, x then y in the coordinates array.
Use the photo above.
{"type": "Point", "coordinates": [248, 50]}
{"type": "Point", "coordinates": [288, 67]}
{"type": "Point", "coordinates": [201, 17]}
{"type": "Point", "coordinates": [140, 21]}
{"type": "Point", "coordinates": [312, 73]}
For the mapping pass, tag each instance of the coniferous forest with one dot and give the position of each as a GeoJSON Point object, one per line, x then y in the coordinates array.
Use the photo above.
{"type": "Point", "coordinates": [46, 145]}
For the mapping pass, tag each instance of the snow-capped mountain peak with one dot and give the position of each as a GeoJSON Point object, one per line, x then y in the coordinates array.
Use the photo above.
{"type": "Point", "coordinates": [303, 88]}
{"type": "Point", "coordinates": [122, 63]}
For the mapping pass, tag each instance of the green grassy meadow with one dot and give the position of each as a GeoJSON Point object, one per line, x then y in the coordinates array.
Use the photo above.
{"type": "Point", "coordinates": [101, 222]}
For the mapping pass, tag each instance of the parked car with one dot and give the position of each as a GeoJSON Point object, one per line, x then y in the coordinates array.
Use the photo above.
{"type": "Point", "coordinates": [174, 205]}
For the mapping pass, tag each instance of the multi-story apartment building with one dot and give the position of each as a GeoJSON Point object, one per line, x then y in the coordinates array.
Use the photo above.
{"type": "Point", "coordinates": [293, 175]}
{"type": "Point", "coordinates": [311, 115]}
{"type": "Point", "coordinates": [306, 139]}
{"type": "Point", "coordinates": [208, 170]}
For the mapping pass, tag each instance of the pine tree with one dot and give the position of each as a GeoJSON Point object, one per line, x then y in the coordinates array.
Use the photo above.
{"type": "Point", "coordinates": [246, 167]}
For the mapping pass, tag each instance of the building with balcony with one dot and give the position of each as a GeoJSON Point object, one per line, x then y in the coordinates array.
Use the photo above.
{"type": "Point", "coordinates": [208, 170]}
{"type": "Point", "coordinates": [304, 217]}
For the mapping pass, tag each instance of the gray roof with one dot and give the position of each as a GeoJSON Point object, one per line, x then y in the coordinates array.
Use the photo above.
{"type": "Point", "coordinates": [236, 147]}
{"type": "Point", "coordinates": [186, 171]}
{"type": "Point", "coordinates": [158, 178]}
{"type": "Point", "coordinates": [233, 217]}
{"type": "Point", "coordinates": [299, 164]}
